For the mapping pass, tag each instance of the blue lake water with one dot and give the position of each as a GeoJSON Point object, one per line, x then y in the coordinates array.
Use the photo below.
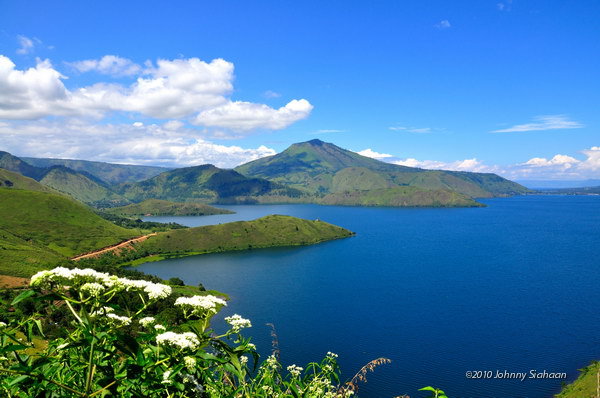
{"type": "Point", "coordinates": [514, 286]}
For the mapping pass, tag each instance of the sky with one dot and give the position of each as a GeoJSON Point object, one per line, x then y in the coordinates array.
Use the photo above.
{"type": "Point", "coordinates": [510, 87]}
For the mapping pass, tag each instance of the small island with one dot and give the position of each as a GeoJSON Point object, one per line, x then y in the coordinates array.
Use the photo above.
{"type": "Point", "coordinates": [157, 207]}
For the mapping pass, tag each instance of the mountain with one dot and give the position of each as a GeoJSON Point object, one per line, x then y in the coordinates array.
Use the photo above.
{"type": "Point", "coordinates": [205, 184]}
{"type": "Point", "coordinates": [40, 228]}
{"type": "Point", "coordinates": [109, 172]}
{"type": "Point", "coordinates": [337, 176]}
{"type": "Point", "coordinates": [157, 207]}
{"type": "Point", "coordinates": [558, 184]}
{"type": "Point", "coordinates": [13, 163]}
{"type": "Point", "coordinates": [82, 186]}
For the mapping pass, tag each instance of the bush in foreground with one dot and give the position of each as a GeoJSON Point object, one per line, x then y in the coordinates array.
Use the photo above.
{"type": "Point", "coordinates": [116, 348]}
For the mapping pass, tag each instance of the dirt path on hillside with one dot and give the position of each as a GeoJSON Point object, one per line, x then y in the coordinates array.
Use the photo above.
{"type": "Point", "coordinates": [127, 244]}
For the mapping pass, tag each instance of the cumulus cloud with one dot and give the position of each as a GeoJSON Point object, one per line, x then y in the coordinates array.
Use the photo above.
{"type": "Point", "coordinates": [444, 24]}
{"type": "Point", "coordinates": [108, 65]}
{"type": "Point", "coordinates": [246, 116]}
{"type": "Point", "coordinates": [375, 155]}
{"type": "Point", "coordinates": [549, 122]}
{"type": "Point", "coordinates": [459, 165]}
{"type": "Point", "coordinates": [169, 145]}
{"type": "Point", "coordinates": [558, 160]}
{"type": "Point", "coordinates": [171, 89]}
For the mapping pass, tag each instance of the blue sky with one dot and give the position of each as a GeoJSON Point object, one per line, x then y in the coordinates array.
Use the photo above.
{"type": "Point", "coordinates": [504, 86]}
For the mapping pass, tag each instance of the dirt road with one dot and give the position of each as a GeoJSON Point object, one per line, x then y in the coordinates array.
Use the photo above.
{"type": "Point", "coordinates": [127, 244]}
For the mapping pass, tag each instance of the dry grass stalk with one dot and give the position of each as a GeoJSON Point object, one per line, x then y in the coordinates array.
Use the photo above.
{"type": "Point", "coordinates": [361, 376]}
{"type": "Point", "coordinates": [274, 342]}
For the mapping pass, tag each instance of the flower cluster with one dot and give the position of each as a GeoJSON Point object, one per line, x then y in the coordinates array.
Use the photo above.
{"type": "Point", "coordinates": [95, 283]}
{"type": "Point", "coordinates": [179, 340]}
{"type": "Point", "coordinates": [147, 321]}
{"type": "Point", "coordinates": [201, 304]}
{"type": "Point", "coordinates": [119, 320]}
{"type": "Point", "coordinates": [295, 370]}
{"type": "Point", "coordinates": [238, 323]}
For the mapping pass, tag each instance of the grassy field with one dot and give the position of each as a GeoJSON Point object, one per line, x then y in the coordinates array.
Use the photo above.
{"type": "Point", "coordinates": [157, 207]}
{"type": "Point", "coordinates": [269, 231]}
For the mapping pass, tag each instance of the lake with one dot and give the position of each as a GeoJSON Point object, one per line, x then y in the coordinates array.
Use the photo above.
{"type": "Point", "coordinates": [510, 287]}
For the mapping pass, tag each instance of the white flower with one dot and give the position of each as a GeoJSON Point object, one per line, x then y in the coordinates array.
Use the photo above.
{"type": "Point", "coordinates": [166, 376]}
{"type": "Point", "coordinates": [119, 320]}
{"type": "Point", "coordinates": [147, 321]}
{"type": "Point", "coordinates": [2, 325]}
{"type": "Point", "coordinates": [190, 363]}
{"type": "Point", "coordinates": [154, 290]}
{"type": "Point", "coordinates": [243, 359]}
{"type": "Point", "coordinates": [272, 362]}
{"type": "Point", "coordinates": [237, 323]}
{"type": "Point", "coordinates": [160, 328]}
{"type": "Point", "coordinates": [180, 340]}
{"type": "Point", "coordinates": [92, 288]}
{"type": "Point", "coordinates": [199, 304]}
{"type": "Point", "coordinates": [295, 370]}
{"type": "Point", "coordinates": [251, 346]}
{"type": "Point", "coordinates": [331, 354]}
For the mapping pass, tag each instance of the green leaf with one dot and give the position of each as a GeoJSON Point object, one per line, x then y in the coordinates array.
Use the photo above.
{"type": "Point", "coordinates": [23, 296]}
{"type": "Point", "coordinates": [17, 380]}
{"type": "Point", "coordinates": [428, 388]}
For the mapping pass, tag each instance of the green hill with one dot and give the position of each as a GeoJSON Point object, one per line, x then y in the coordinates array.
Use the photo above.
{"type": "Point", "coordinates": [108, 172]}
{"type": "Point", "coordinates": [328, 171]}
{"type": "Point", "coordinates": [203, 184]}
{"type": "Point", "coordinates": [269, 231]}
{"type": "Point", "coordinates": [56, 223]}
{"type": "Point", "coordinates": [9, 179]}
{"type": "Point", "coordinates": [13, 163]}
{"type": "Point", "coordinates": [157, 207]}
{"type": "Point", "coordinates": [81, 186]}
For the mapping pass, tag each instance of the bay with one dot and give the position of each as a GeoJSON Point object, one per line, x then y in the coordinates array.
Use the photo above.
{"type": "Point", "coordinates": [509, 287]}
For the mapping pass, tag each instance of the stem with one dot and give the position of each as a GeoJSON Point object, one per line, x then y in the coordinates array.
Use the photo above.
{"type": "Point", "coordinates": [73, 312]}
{"type": "Point", "coordinates": [91, 366]}
{"type": "Point", "coordinates": [43, 378]}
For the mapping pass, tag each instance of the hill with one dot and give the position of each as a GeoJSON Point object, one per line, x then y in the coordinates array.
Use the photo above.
{"type": "Point", "coordinates": [13, 163]}
{"type": "Point", "coordinates": [108, 172]}
{"type": "Point", "coordinates": [203, 184]}
{"type": "Point", "coordinates": [81, 186]}
{"type": "Point", "coordinates": [50, 224]}
{"type": "Point", "coordinates": [157, 207]}
{"type": "Point", "coordinates": [269, 231]}
{"type": "Point", "coordinates": [319, 168]}
{"type": "Point", "coordinates": [10, 179]}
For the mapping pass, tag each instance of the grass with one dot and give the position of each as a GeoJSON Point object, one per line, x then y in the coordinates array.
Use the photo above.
{"type": "Point", "coordinates": [269, 231]}
{"type": "Point", "coordinates": [157, 207]}
{"type": "Point", "coordinates": [586, 384]}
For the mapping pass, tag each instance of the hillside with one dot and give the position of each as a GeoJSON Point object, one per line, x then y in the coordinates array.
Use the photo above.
{"type": "Point", "coordinates": [55, 223]}
{"type": "Point", "coordinates": [319, 168]}
{"type": "Point", "coordinates": [14, 164]}
{"type": "Point", "coordinates": [81, 186]}
{"type": "Point", "coordinates": [9, 179]}
{"type": "Point", "coordinates": [586, 384]}
{"type": "Point", "coordinates": [109, 172]}
{"type": "Point", "coordinates": [203, 184]}
{"type": "Point", "coordinates": [269, 231]}
{"type": "Point", "coordinates": [157, 207]}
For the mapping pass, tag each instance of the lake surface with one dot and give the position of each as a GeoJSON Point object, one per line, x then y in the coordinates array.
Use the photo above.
{"type": "Point", "coordinates": [514, 286]}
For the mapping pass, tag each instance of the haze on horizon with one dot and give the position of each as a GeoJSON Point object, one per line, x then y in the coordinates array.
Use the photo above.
{"type": "Point", "coordinates": [509, 87]}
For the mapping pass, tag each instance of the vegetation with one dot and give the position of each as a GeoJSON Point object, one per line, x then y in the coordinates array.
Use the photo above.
{"type": "Point", "coordinates": [267, 231]}
{"type": "Point", "coordinates": [108, 172]}
{"type": "Point", "coordinates": [113, 343]}
{"type": "Point", "coordinates": [319, 168]}
{"type": "Point", "coordinates": [402, 196]}
{"type": "Point", "coordinates": [81, 186]}
{"type": "Point", "coordinates": [157, 207]}
{"type": "Point", "coordinates": [10, 179]}
{"type": "Point", "coordinates": [136, 223]}
{"type": "Point", "coordinates": [587, 384]}
{"type": "Point", "coordinates": [38, 224]}
{"type": "Point", "coordinates": [203, 184]}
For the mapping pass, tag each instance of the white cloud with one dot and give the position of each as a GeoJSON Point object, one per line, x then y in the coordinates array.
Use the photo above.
{"type": "Point", "coordinates": [244, 116]}
{"type": "Point", "coordinates": [271, 94]}
{"type": "Point", "coordinates": [26, 45]}
{"type": "Point", "coordinates": [108, 65]}
{"type": "Point", "coordinates": [504, 5]}
{"type": "Point", "coordinates": [593, 159]}
{"type": "Point", "coordinates": [422, 130]}
{"type": "Point", "coordinates": [171, 89]}
{"type": "Point", "coordinates": [459, 165]}
{"type": "Point", "coordinates": [135, 143]}
{"type": "Point", "coordinates": [549, 122]}
{"type": "Point", "coordinates": [375, 155]}
{"type": "Point", "coordinates": [444, 24]}
{"type": "Point", "coordinates": [558, 160]}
